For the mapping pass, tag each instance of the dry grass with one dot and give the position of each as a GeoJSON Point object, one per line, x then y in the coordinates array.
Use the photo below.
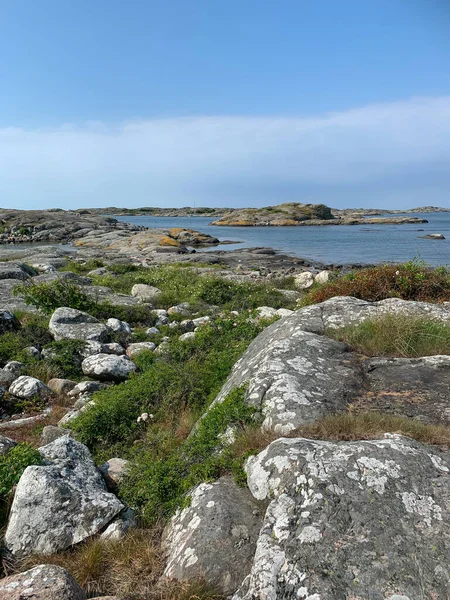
{"type": "Point", "coordinates": [396, 335]}
{"type": "Point", "coordinates": [31, 434]}
{"type": "Point", "coordinates": [368, 426]}
{"type": "Point", "coordinates": [130, 568]}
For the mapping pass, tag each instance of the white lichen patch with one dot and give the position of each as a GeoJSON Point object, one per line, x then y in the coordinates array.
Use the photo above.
{"type": "Point", "coordinates": [310, 534]}
{"type": "Point", "coordinates": [424, 506]}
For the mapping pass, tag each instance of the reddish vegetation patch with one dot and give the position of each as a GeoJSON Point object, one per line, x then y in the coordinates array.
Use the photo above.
{"type": "Point", "coordinates": [409, 281]}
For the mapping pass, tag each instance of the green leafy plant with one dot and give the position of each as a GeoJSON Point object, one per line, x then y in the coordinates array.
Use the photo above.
{"type": "Point", "coordinates": [14, 463]}
{"type": "Point", "coordinates": [163, 472]}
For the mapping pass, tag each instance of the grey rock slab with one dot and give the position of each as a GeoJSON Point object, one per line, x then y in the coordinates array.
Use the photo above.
{"type": "Point", "coordinates": [108, 367]}
{"type": "Point", "coordinates": [412, 387]}
{"type": "Point", "coordinates": [44, 582]}
{"type": "Point", "coordinates": [10, 270]}
{"type": "Point", "coordinates": [61, 386]}
{"type": "Point", "coordinates": [215, 537]}
{"type": "Point", "coordinates": [60, 503]}
{"type": "Point", "coordinates": [50, 433]}
{"type": "Point", "coordinates": [366, 519]}
{"type": "Point", "coordinates": [71, 324]}
{"type": "Point", "coordinates": [296, 375]}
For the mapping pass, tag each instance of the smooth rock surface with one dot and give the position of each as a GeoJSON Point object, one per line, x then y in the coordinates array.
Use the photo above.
{"type": "Point", "coordinates": [134, 349]}
{"type": "Point", "coordinates": [60, 503]}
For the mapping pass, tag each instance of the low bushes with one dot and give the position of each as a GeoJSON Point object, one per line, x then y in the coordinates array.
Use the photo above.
{"type": "Point", "coordinates": [34, 330]}
{"type": "Point", "coordinates": [180, 284]}
{"type": "Point", "coordinates": [409, 281]}
{"type": "Point", "coordinates": [164, 469]}
{"type": "Point", "coordinates": [396, 335]}
{"type": "Point", "coordinates": [188, 376]}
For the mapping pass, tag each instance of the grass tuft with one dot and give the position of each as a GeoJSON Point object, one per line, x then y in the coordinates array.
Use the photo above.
{"type": "Point", "coordinates": [396, 335]}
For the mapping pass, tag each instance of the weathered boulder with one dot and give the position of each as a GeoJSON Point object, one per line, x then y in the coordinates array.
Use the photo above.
{"type": "Point", "coordinates": [186, 337]}
{"type": "Point", "coordinates": [8, 322]}
{"type": "Point", "coordinates": [215, 537]}
{"type": "Point", "coordinates": [119, 525]}
{"type": "Point", "coordinates": [61, 386]}
{"type": "Point", "coordinates": [366, 519]}
{"type": "Point", "coordinates": [114, 471]}
{"type": "Point", "coordinates": [180, 309]}
{"type": "Point", "coordinates": [60, 503]}
{"type": "Point", "coordinates": [119, 326]}
{"type": "Point", "coordinates": [50, 433]}
{"type": "Point", "coordinates": [26, 387]}
{"type": "Point", "coordinates": [304, 280]}
{"type": "Point", "coordinates": [146, 293]}
{"type": "Point", "coordinates": [296, 375]}
{"type": "Point", "coordinates": [44, 582]}
{"type": "Point", "coordinates": [108, 367]}
{"type": "Point", "coordinates": [433, 236]}
{"type": "Point", "coordinates": [266, 312]}
{"type": "Point", "coordinates": [134, 349]}
{"type": "Point", "coordinates": [6, 444]}
{"type": "Point", "coordinates": [71, 324]}
{"type": "Point", "coordinates": [322, 277]}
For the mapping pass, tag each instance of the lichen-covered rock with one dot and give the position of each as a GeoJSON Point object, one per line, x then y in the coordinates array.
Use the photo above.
{"type": "Point", "coordinates": [365, 519]}
{"type": "Point", "coordinates": [296, 375]}
{"type": "Point", "coordinates": [114, 471]}
{"type": "Point", "coordinates": [10, 270]}
{"type": "Point", "coordinates": [146, 293]}
{"type": "Point", "coordinates": [134, 349]}
{"type": "Point", "coordinates": [108, 367]}
{"type": "Point", "coordinates": [304, 280]}
{"type": "Point", "coordinates": [44, 582]}
{"type": "Point", "coordinates": [60, 503]}
{"type": "Point", "coordinates": [26, 387]}
{"type": "Point", "coordinates": [71, 324]}
{"type": "Point", "coordinates": [322, 277]}
{"type": "Point", "coordinates": [119, 326]}
{"type": "Point", "coordinates": [214, 538]}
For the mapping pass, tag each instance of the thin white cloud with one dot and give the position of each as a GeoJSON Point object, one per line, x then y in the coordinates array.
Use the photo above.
{"type": "Point", "coordinates": [369, 155]}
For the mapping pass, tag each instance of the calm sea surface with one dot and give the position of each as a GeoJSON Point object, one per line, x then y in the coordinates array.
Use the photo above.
{"type": "Point", "coordinates": [333, 244]}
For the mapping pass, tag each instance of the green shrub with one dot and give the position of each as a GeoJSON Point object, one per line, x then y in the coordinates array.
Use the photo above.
{"type": "Point", "coordinates": [410, 281]}
{"type": "Point", "coordinates": [189, 376]}
{"type": "Point", "coordinates": [34, 331]}
{"type": "Point", "coordinates": [184, 284]}
{"type": "Point", "coordinates": [50, 296]}
{"type": "Point", "coordinates": [163, 471]}
{"type": "Point", "coordinates": [397, 335]}
{"type": "Point", "coordinates": [14, 463]}
{"type": "Point", "coordinates": [64, 358]}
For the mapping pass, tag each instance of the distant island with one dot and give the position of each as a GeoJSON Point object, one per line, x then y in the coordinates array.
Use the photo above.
{"type": "Point", "coordinates": [287, 214]}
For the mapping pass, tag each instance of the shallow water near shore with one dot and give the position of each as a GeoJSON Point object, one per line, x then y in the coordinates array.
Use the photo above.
{"type": "Point", "coordinates": [340, 244]}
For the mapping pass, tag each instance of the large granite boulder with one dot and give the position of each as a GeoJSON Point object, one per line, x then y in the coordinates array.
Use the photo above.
{"type": "Point", "coordinates": [59, 503]}
{"type": "Point", "coordinates": [215, 536]}
{"type": "Point", "coordinates": [44, 582]}
{"type": "Point", "coordinates": [108, 367]}
{"type": "Point", "coordinates": [295, 374]}
{"type": "Point", "coordinates": [71, 324]}
{"type": "Point", "coordinates": [366, 519]}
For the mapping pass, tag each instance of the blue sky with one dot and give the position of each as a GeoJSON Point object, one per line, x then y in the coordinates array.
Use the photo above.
{"type": "Point", "coordinates": [224, 103]}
